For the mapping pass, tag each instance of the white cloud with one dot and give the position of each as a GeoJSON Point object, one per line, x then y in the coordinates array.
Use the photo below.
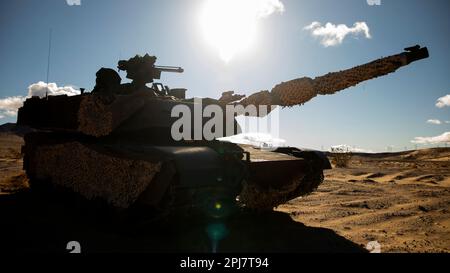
{"type": "Point", "coordinates": [434, 121]}
{"type": "Point", "coordinates": [333, 35]}
{"type": "Point", "coordinates": [348, 148]}
{"type": "Point", "coordinates": [73, 2]}
{"type": "Point", "coordinates": [39, 89]}
{"type": "Point", "coordinates": [268, 7]}
{"type": "Point", "coordinates": [443, 101]}
{"type": "Point", "coordinates": [255, 139]}
{"type": "Point", "coordinates": [9, 106]}
{"type": "Point", "coordinates": [444, 138]}
{"type": "Point", "coordinates": [447, 122]}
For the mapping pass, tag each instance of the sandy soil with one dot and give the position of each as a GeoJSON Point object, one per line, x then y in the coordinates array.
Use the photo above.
{"type": "Point", "coordinates": [400, 200]}
{"type": "Point", "coordinates": [11, 175]}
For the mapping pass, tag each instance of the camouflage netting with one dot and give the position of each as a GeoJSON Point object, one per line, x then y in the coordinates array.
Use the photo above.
{"type": "Point", "coordinates": [94, 117]}
{"type": "Point", "coordinates": [100, 115]}
{"type": "Point", "coordinates": [300, 91]}
{"type": "Point", "coordinates": [334, 82]}
{"type": "Point", "coordinates": [295, 92]}
{"type": "Point", "coordinates": [260, 98]}
{"type": "Point", "coordinates": [119, 181]}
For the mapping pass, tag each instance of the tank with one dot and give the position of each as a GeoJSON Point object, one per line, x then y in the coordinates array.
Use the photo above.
{"type": "Point", "coordinates": [115, 144]}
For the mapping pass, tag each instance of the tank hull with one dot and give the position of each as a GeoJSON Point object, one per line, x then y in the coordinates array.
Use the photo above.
{"type": "Point", "coordinates": [166, 178]}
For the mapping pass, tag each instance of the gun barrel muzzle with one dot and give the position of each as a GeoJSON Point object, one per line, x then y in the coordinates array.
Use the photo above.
{"type": "Point", "coordinates": [174, 69]}
{"type": "Point", "coordinates": [416, 54]}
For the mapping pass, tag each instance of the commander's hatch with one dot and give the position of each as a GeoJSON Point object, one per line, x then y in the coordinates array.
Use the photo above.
{"type": "Point", "coordinates": [164, 90]}
{"type": "Point", "coordinates": [161, 89]}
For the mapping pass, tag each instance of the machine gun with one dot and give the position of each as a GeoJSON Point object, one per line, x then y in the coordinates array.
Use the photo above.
{"type": "Point", "coordinates": [142, 69]}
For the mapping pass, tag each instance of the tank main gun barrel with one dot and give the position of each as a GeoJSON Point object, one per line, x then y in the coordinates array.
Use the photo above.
{"type": "Point", "coordinates": [300, 91]}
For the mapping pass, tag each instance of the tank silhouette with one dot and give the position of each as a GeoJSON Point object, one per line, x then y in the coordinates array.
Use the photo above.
{"type": "Point", "coordinates": [115, 144]}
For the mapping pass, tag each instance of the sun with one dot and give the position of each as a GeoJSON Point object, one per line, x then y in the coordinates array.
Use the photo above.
{"type": "Point", "coordinates": [230, 25]}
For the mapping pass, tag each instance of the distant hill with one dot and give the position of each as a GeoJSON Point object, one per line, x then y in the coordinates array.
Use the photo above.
{"type": "Point", "coordinates": [429, 154]}
{"type": "Point", "coordinates": [12, 128]}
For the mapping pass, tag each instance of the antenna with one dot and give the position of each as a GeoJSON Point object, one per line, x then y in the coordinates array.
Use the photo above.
{"type": "Point", "coordinates": [48, 59]}
{"type": "Point", "coordinates": [120, 58]}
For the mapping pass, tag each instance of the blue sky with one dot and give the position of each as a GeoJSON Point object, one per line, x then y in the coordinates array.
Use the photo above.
{"type": "Point", "coordinates": [387, 111]}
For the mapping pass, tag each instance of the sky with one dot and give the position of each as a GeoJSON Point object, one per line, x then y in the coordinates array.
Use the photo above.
{"type": "Point", "coordinates": [263, 43]}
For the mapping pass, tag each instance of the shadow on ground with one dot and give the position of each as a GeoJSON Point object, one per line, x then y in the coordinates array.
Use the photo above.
{"type": "Point", "coordinates": [31, 223]}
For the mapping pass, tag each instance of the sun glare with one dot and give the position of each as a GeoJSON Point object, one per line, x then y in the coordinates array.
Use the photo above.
{"type": "Point", "coordinates": [230, 25]}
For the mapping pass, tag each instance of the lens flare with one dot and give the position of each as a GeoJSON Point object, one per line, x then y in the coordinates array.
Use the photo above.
{"type": "Point", "coordinates": [216, 232]}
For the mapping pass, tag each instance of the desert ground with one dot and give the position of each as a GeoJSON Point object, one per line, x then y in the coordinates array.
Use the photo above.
{"type": "Point", "coordinates": [400, 200]}
{"type": "Point", "coordinates": [12, 178]}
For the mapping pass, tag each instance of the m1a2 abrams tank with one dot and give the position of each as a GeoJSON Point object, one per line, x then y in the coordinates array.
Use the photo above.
{"type": "Point", "coordinates": [116, 143]}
